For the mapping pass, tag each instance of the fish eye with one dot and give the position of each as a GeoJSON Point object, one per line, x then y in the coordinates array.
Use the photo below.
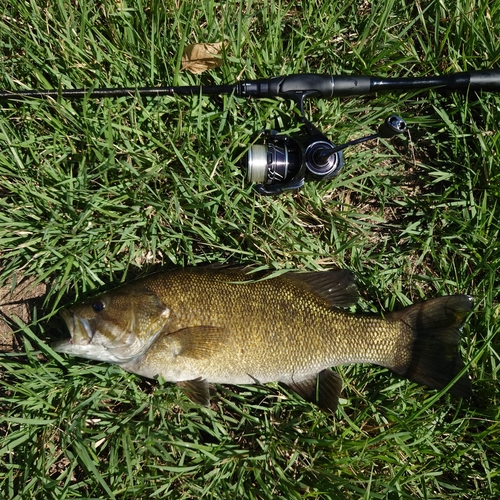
{"type": "Point", "coordinates": [98, 306]}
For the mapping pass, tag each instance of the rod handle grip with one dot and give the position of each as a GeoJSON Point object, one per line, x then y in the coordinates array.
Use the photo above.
{"type": "Point", "coordinates": [487, 80]}
{"type": "Point", "coordinates": [289, 87]}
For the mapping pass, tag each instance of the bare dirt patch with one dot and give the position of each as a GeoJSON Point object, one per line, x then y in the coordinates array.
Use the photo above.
{"type": "Point", "coordinates": [16, 300]}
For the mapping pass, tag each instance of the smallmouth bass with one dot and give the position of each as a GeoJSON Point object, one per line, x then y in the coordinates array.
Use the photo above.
{"type": "Point", "coordinates": [227, 325]}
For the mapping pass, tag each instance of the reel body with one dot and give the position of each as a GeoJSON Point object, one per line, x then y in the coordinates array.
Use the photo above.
{"type": "Point", "coordinates": [284, 163]}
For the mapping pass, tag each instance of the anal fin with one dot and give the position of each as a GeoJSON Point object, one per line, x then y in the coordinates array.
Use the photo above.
{"type": "Point", "coordinates": [196, 390]}
{"type": "Point", "coordinates": [322, 389]}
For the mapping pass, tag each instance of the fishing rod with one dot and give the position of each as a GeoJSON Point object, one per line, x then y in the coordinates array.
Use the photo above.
{"type": "Point", "coordinates": [283, 162]}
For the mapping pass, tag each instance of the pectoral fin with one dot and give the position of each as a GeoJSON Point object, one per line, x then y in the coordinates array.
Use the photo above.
{"type": "Point", "coordinates": [196, 390]}
{"type": "Point", "coordinates": [322, 389]}
{"type": "Point", "coordinates": [198, 342]}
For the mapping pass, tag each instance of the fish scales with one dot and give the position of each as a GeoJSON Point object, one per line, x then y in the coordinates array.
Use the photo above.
{"type": "Point", "coordinates": [272, 331]}
{"type": "Point", "coordinates": [229, 325]}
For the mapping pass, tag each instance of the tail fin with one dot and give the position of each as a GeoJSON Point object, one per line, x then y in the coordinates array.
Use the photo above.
{"type": "Point", "coordinates": [436, 325]}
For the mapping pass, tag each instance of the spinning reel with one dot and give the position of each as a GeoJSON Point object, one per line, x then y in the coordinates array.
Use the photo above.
{"type": "Point", "coordinates": [284, 163]}
{"type": "Point", "coordinates": [281, 162]}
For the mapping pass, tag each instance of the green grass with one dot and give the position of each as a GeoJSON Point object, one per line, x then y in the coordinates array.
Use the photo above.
{"type": "Point", "coordinates": [96, 191]}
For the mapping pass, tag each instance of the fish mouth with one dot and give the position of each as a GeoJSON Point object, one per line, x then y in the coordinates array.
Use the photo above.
{"type": "Point", "coordinates": [79, 329]}
{"type": "Point", "coordinates": [82, 339]}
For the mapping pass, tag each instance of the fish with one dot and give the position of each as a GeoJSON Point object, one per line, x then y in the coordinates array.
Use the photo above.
{"type": "Point", "coordinates": [205, 325]}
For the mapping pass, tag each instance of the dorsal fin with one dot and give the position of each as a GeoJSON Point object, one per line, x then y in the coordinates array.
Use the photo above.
{"type": "Point", "coordinates": [336, 287]}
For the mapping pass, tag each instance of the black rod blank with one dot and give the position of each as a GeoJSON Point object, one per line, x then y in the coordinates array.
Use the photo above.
{"type": "Point", "coordinates": [294, 87]}
{"type": "Point", "coordinates": [117, 92]}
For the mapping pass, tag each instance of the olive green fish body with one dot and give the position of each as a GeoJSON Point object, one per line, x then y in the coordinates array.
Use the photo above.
{"type": "Point", "coordinates": [227, 325]}
{"type": "Point", "coordinates": [271, 330]}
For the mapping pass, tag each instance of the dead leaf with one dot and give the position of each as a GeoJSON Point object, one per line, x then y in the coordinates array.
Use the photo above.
{"type": "Point", "coordinates": [200, 57]}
